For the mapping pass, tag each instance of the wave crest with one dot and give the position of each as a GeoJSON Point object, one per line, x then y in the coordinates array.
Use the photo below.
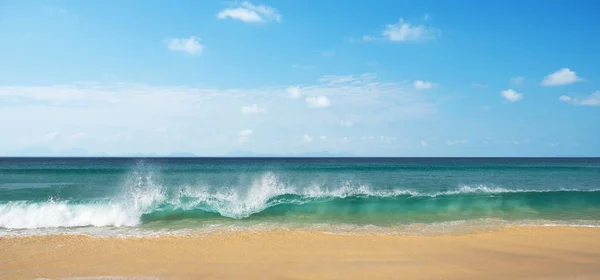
{"type": "Point", "coordinates": [142, 196]}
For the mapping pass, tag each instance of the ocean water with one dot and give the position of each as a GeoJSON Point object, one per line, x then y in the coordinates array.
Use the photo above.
{"type": "Point", "coordinates": [415, 196]}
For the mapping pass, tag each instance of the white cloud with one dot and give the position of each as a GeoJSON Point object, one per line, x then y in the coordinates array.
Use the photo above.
{"type": "Point", "coordinates": [306, 138]}
{"type": "Point", "coordinates": [318, 102]}
{"type": "Point", "coordinates": [563, 76]}
{"type": "Point", "coordinates": [50, 136]}
{"type": "Point", "coordinates": [423, 143]}
{"type": "Point", "coordinates": [253, 109]}
{"type": "Point", "coordinates": [369, 38]}
{"type": "Point", "coordinates": [189, 45]}
{"type": "Point", "coordinates": [248, 12]}
{"type": "Point", "coordinates": [243, 135]}
{"type": "Point", "coordinates": [565, 98]}
{"type": "Point", "coordinates": [293, 92]}
{"type": "Point", "coordinates": [246, 132]}
{"type": "Point", "coordinates": [456, 142]}
{"type": "Point", "coordinates": [346, 123]}
{"type": "Point", "coordinates": [591, 100]}
{"type": "Point", "coordinates": [517, 81]}
{"type": "Point", "coordinates": [404, 32]}
{"type": "Point", "coordinates": [554, 144]}
{"type": "Point", "coordinates": [418, 84]}
{"type": "Point", "coordinates": [511, 95]}
{"type": "Point", "coordinates": [241, 14]}
{"type": "Point", "coordinates": [200, 118]}
{"type": "Point", "coordinates": [340, 79]}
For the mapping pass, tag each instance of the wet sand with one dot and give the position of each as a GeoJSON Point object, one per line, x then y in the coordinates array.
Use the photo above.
{"type": "Point", "coordinates": [510, 253]}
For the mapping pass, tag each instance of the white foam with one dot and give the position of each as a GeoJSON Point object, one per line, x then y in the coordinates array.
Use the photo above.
{"type": "Point", "coordinates": [22, 215]}
{"type": "Point", "coordinates": [142, 194]}
{"type": "Point", "coordinates": [237, 204]}
{"type": "Point", "coordinates": [465, 189]}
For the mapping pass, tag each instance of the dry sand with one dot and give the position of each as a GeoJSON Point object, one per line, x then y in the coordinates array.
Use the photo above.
{"type": "Point", "coordinates": [510, 253]}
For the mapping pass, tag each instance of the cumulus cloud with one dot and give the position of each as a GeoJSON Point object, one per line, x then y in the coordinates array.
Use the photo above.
{"type": "Point", "coordinates": [307, 138]}
{"type": "Point", "coordinates": [517, 81]}
{"type": "Point", "coordinates": [253, 109]}
{"type": "Point", "coordinates": [456, 142]}
{"type": "Point", "coordinates": [247, 12]}
{"type": "Point", "coordinates": [293, 92]}
{"type": "Point", "coordinates": [511, 95]}
{"type": "Point", "coordinates": [243, 135]}
{"type": "Point", "coordinates": [565, 98]}
{"type": "Point", "coordinates": [590, 100]}
{"type": "Point", "coordinates": [318, 102]}
{"type": "Point", "coordinates": [418, 84]}
{"type": "Point", "coordinates": [563, 76]}
{"type": "Point", "coordinates": [403, 31]}
{"type": "Point", "coordinates": [189, 45]}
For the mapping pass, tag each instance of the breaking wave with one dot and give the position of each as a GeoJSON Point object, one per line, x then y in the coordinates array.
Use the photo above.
{"type": "Point", "coordinates": [142, 201]}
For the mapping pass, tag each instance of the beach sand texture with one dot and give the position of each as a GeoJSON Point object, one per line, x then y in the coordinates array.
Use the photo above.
{"type": "Point", "coordinates": [509, 253]}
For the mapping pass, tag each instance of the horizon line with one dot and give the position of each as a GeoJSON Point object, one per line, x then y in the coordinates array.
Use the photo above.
{"type": "Point", "coordinates": [299, 157]}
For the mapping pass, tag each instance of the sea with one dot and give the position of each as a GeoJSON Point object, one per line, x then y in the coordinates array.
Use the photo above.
{"type": "Point", "coordinates": [144, 197]}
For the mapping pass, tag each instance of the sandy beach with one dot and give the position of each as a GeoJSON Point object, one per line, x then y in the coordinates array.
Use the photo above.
{"type": "Point", "coordinates": [510, 253]}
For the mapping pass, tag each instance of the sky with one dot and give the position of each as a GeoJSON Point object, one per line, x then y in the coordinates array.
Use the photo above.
{"type": "Point", "coordinates": [366, 78]}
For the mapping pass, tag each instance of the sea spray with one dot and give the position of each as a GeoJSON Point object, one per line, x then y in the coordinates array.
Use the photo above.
{"type": "Point", "coordinates": [147, 202]}
{"type": "Point", "coordinates": [220, 193]}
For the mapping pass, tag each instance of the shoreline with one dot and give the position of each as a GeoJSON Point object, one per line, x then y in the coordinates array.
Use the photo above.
{"type": "Point", "coordinates": [509, 253]}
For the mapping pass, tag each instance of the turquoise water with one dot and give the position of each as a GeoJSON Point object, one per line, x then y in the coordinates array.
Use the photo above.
{"type": "Point", "coordinates": [146, 196]}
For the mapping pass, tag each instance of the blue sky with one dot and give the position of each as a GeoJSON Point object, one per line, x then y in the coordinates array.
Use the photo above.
{"type": "Point", "coordinates": [367, 78]}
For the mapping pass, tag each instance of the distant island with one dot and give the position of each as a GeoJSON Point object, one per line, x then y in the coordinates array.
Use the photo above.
{"type": "Point", "coordinates": [79, 152]}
